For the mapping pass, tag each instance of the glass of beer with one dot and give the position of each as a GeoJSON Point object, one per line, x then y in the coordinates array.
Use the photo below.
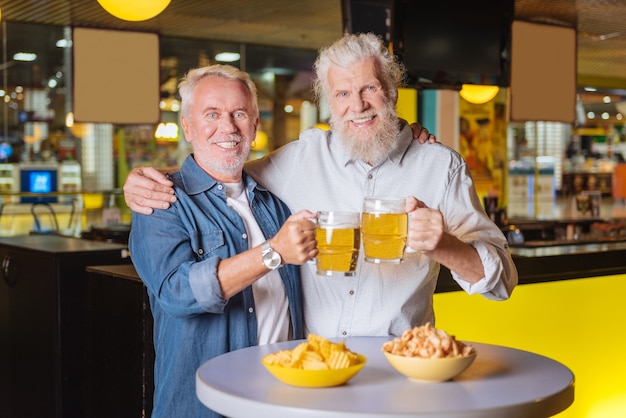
{"type": "Point", "coordinates": [384, 227]}
{"type": "Point", "coordinates": [338, 236]}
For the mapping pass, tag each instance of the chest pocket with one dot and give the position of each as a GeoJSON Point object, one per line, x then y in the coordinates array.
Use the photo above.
{"type": "Point", "coordinates": [208, 243]}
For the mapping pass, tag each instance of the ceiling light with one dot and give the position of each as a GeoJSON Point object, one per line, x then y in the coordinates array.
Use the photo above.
{"type": "Point", "coordinates": [606, 99]}
{"type": "Point", "coordinates": [134, 10]}
{"type": "Point", "coordinates": [605, 115]}
{"type": "Point", "coordinates": [591, 89]}
{"type": "Point", "coordinates": [25, 56]}
{"type": "Point", "coordinates": [227, 57]}
{"type": "Point", "coordinates": [478, 94]}
{"type": "Point", "coordinates": [64, 43]}
{"type": "Point", "coordinates": [591, 115]}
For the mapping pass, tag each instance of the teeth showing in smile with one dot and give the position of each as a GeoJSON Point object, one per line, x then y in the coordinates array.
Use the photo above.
{"type": "Point", "coordinates": [363, 119]}
{"type": "Point", "coordinates": [228, 145]}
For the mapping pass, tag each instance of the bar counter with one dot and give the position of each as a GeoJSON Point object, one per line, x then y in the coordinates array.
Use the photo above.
{"type": "Point", "coordinates": [536, 264]}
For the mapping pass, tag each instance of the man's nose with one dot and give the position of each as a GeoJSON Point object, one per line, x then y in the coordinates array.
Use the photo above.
{"type": "Point", "coordinates": [228, 125]}
{"type": "Point", "coordinates": [358, 103]}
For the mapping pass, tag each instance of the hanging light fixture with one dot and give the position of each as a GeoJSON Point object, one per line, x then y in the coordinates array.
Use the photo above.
{"type": "Point", "coordinates": [478, 94]}
{"type": "Point", "coordinates": [134, 10]}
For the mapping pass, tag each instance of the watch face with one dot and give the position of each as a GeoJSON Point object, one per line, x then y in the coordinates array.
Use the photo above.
{"type": "Point", "coordinates": [272, 260]}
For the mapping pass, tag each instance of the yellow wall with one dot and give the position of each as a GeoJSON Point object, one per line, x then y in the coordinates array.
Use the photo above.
{"type": "Point", "coordinates": [580, 323]}
{"type": "Point", "coordinates": [407, 104]}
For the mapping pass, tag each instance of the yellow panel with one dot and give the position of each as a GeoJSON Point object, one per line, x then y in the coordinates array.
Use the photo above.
{"type": "Point", "coordinates": [407, 104]}
{"type": "Point", "coordinates": [577, 322]}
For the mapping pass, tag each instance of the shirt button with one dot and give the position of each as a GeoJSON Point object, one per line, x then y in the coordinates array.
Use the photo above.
{"type": "Point", "coordinates": [351, 292]}
{"type": "Point", "coordinates": [369, 176]}
{"type": "Point", "coordinates": [200, 251]}
{"type": "Point", "coordinates": [244, 236]}
{"type": "Point", "coordinates": [220, 187]}
{"type": "Point", "coordinates": [344, 333]}
{"type": "Point", "coordinates": [251, 309]}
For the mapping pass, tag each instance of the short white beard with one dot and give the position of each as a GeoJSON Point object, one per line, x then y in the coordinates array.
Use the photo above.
{"type": "Point", "coordinates": [232, 165]}
{"type": "Point", "coordinates": [374, 147]}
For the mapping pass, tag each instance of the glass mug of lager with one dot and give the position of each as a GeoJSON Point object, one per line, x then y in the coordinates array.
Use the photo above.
{"type": "Point", "coordinates": [338, 236]}
{"type": "Point", "coordinates": [384, 228]}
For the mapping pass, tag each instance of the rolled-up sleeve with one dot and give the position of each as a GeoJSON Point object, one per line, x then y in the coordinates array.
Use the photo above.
{"type": "Point", "coordinates": [500, 273]}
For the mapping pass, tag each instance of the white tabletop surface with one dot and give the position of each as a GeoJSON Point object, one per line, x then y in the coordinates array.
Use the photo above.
{"type": "Point", "coordinates": [502, 382]}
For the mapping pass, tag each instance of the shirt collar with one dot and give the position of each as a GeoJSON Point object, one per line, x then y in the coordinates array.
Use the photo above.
{"type": "Point", "coordinates": [195, 180]}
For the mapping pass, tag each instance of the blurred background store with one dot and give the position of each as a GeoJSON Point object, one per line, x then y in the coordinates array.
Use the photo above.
{"type": "Point", "coordinates": [531, 167]}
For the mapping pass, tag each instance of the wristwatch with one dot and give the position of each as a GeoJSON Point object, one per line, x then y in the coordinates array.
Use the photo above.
{"type": "Point", "coordinates": [271, 259]}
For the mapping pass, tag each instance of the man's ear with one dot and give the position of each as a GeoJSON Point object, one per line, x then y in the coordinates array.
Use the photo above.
{"type": "Point", "coordinates": [256, 127]}
{"type": "Point", "coordinates": [185, 125]}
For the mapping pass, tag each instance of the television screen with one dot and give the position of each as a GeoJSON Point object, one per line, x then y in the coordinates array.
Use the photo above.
{"type": "Point", "coordinates": [447, 43]}
{"type": "Point", "coordinates": [361, 16]}
{"type": "Point", "coordinates": [38, 180]}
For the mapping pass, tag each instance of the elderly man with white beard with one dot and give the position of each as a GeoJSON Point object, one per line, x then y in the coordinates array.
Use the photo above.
{"type": "Point", "coordinates": [370, 152]}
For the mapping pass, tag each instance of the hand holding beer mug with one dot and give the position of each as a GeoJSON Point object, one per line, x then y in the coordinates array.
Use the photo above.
{"type": "Point", "coordinates": [338, 236]}
{"type": "Point", "coordinates": [384, 227]}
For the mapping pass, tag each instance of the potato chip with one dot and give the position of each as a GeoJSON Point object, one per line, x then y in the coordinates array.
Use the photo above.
{"type": "Point", "coordinates": [338, 360]}
{"type": "Point", "coordinates": [317, 353]}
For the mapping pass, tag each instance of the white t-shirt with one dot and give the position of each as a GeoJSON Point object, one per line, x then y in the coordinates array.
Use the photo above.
{"type": "Point", "coordinates": [270, 300]}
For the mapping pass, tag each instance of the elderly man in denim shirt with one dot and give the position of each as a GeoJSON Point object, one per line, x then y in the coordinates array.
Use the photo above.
{"type": "Point", "coordinates": [220, 264]}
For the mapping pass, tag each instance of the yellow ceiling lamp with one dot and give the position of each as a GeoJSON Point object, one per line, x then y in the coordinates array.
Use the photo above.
{"type": "Point", "coordinates": [134, 10]}
{"type": "Point", "coordinates": [478, 94]}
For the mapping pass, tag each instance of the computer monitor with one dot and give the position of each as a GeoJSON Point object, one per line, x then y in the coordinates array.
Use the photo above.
{"type": "Point", "coordinates": [39, 180]}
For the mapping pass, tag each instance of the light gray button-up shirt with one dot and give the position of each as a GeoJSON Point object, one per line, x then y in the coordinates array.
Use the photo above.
{"type": "Point", "coordinates": [316, 173]}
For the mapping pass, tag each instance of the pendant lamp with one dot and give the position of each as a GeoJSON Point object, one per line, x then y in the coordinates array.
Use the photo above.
{"type": "Point", "coordinates": [478, 94]}
{"type": "Point", "coordinates": [134, 10]}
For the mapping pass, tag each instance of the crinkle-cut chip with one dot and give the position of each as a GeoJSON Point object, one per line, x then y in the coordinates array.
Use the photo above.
{"type": "Point", "coordinates": [281, 358]}
{"type": "Point", "coordinates": [315, 354]}
{"type": "Point", "coordinates": [322, 345]}
{"type": "Point", "coordinates": [340, 346]}
{"type": "Point", "coordinates": [312, 360]}
{"type": "Point", "coordinates": [314, 365]}
{"type": "Point", "coordinates": [338, 360]}
{"type": "Point", "coordinates": [296, 354]}
{"type": "Point", "coordinates": [312, 355]}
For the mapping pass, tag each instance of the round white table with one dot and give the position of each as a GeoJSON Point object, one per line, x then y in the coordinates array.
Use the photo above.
{"type": "Point", "coordinates": [502, 382]}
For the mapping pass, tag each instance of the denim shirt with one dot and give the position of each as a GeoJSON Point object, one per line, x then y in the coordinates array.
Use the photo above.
{"type": "Point", "coordinates": [176, 253]}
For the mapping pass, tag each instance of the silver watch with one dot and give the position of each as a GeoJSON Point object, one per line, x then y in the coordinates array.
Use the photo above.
{"type": "Point", "coordinates": [271, 259]}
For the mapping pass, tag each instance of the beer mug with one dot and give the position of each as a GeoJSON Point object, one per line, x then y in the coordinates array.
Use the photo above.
{"type": "Point", "coordinates": [384, 227]}
{"type": "Point", "coordinates": [338, 236]}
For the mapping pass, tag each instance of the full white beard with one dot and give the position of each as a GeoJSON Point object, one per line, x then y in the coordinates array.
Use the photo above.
{"type": "Point", "coordinates": [372, 146]}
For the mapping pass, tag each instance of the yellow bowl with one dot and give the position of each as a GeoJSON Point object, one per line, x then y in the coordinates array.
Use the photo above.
{"type": "Point", "coordinates": [430, 369]}
{"type": "Point", "coordinates": [315, 378]}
